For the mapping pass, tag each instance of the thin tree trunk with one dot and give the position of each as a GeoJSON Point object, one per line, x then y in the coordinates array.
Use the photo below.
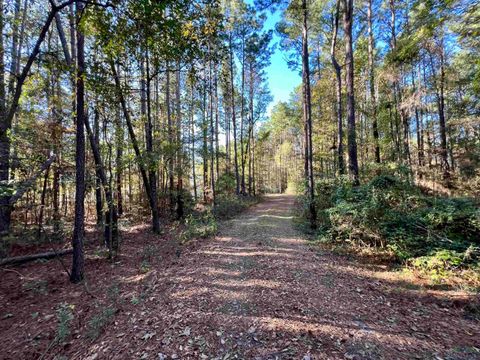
{"type": "Point", "coordinates": [371, 65]}
{"type": "Point", "coordinates": [152, 172]}
{"type": "Point", "coordinates": [442, 120]}
{"type": "Point", "coordinates": [171, 180]}
{"type": "Point", "coordinates": [77, 272]}
{"type": "Point", "coordinates": [192, 128]}
{"type": "Point", "coordinates": [352, 137]}
{"type": "Point", "coordinates": [307, 117]}
{"type": "Point", "coordinates": [42, 202]}
{"type": "Point", "coordinates": [119, 161]}
{"type": "Point", "coordinates": [217, 151]}
{"type": "Point", "coordinates": [234, 122]}
{"type": "Point", "coordinates": [205, 139]}
{"type": "Point", "coordinates": [143, 172]}
{"type": "Point", "coordinates": [179, 145]}
{"type": "Point", "coordinates": [242, 115]}
{"type": "Point", "coordinates": [212, 132]}
{"type": "Point", "coordinates": [111, 217]}
{"type": "Point", "coordinates": [338, 75]}
{"type": "Point", "coordinates": [98, 186]}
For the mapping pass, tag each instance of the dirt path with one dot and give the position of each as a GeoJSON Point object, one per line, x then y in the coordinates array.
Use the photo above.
{"type": "Point", "coordinates": [258, 291]}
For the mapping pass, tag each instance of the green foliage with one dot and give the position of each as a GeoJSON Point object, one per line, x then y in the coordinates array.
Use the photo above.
{"type": "Point", "coordinates": [98, 322]}
{"type": "Point", "coordinates": [203, 224]}
{"type": "Point", "coordinates": [199, 225]}
{"type": "Point", "coordinates": [228, 206]}
{"type": "Point", "coordinates": [225, 184]}
{"type": "Point", "coordinates": [64, 317]}
{"type": "Point", "coordinates": [389, 213]}
{"type": "Point", "coordinates": [144, 267]}
{"type": "Point", "coordinates": [37, 286]}
{"type": "Point", "coordinates": [101, 320]}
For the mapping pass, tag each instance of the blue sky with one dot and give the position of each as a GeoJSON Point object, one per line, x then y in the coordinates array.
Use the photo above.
{"type": "Point", "coordinates": [281, 79]}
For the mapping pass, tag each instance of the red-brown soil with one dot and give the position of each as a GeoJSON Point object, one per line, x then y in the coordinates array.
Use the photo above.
{"type": "Point", "coordinates": [256, 291]}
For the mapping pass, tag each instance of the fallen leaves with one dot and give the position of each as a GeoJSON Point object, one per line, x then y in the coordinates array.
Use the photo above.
{"type": "Point", "coordinates": [235, 299]}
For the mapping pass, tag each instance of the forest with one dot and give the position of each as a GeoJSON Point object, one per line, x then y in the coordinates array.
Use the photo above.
{"type": "Point", "coordinates": [162, 198]}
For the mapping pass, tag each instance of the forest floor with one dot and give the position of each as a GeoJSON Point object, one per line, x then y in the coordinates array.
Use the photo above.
{"type": "Point", "coordinates": [257, 290]}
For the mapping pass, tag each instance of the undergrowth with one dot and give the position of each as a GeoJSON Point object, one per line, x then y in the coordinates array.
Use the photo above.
{"type": "Point", "coordinates": [439, 236]}
{"type": "Point", "coordinates": [201, 224]}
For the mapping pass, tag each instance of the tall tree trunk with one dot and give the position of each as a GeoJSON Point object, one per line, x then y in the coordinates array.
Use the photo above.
{"type": "Point", "coordinates": [98, 182]}
{"type": "Point", "coordinates": [152, 168]}
{"type": "Point", "coordinates": [419, 126]}
{"type": "Point", "coordinates": [371, 66]}
{"type": "Point", "coordinates": [234, 122]}
{"type": "Point", "coordinates": [119, 160]}
{"type": "Point", "coordinates": [217, 146]}
{"type": "Point", "coordinates": [205, 137]}
{"type": "Point", "coordinates": [5, 208]}
{"type": "Point", "coordinates": [171, 179]}
{"type": "Point", "coordinates": [192, 129]}
{"type": "Point", "coordinates": [352, 137]}
{"type": "Point", "coordinates": [307, 118]}
{"type": "Point", "coordinates": [250, 126]}
{"type": "Point", "coordinates": [111, 217]}
{"type": "Point", "coordinates": [441, 117]}
{"type": "Point", "coordinates": [212, 131]}
{"type": "Point", "coordinates": [338, 75]}
{"type": "Point", "coordinates": [179, 144]}
{"type": "Point", "coordinates": [77, 272]}
{"type": "Point", "coordinates": [14, 49]}
{"type": "Point", "coordinates": [143, 172]}
{"type": "Point", "coordinates": [242, 116]}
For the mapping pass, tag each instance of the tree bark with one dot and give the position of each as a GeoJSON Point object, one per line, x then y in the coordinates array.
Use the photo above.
{"type": "Point", "coordinates": [371, 66]}
{"type": "Point", "coordinates": [338, 75]}
{"type": "Point", "coordinates": [16, 260]}
{"type": "Point", "coordinates": [179, 167]}
{"type": "Point", "coordinates": [131, 132]}
{"type": "Point", "coordinates": [98, 181]}
{"type": "Point", "coordinates": [351, 132]}
{"type": "Point", "coordinates": [77, 272]}
{"type": "Point", "coordinates": [234, 122]}
{"type": "Point", "coordinates": [111, 217]}
{"type": "Point", "coordinates": [307, 118]}
{"type": "Point", "coordinates": [212, 131]}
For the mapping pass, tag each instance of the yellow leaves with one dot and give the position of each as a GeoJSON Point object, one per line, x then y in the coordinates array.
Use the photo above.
{"type": "Point", "coordinates": [188, 30]}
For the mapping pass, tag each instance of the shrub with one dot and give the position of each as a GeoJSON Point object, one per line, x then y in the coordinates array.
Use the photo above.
{"type": "Point", "coordinates": [64, 317]}
{"type": "Point", "coordinates": [225, 184]}
{"type": "Point", "coordinates": [389, 212]}
{"type": "Point", "coordinates": [98, 322]}
{"type": "Point", "coordinates": [229, 205]}
{"type": "Point", "coordinates": [199, 225]}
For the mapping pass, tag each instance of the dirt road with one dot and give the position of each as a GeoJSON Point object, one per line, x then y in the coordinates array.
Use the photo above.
{"type": "Point", "coordinates": [259, 291]}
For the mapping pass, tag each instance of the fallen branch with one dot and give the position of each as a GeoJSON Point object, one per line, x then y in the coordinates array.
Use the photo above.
{"type": "Point", "coordinates": [23, 259]}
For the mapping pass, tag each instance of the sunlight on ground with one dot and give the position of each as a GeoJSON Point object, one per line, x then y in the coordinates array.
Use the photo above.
{"type": "Point", "coordinates": [135, 278]}
{"type": "Point", "coordinates": [246, 254]}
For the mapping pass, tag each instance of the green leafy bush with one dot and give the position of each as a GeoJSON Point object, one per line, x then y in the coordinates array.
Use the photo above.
{"type": "Point", "coordinates": [229, 205]}
{"type": "Point", "coordinates": [390, 213]}
{"type": "Point", "coordinates": [203, 224]}
{"type": "Point", "coordinates": [64, 317]}
{"type": "Point", "coordinates": [225, 184]}
{"type": "Point", "coordinates": [199, 225]}
{"type": "Point", "coordinates": [99, 322]}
